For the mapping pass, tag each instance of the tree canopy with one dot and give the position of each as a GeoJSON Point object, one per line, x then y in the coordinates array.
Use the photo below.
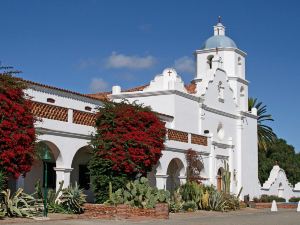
{"type": "Point", "coordinates": [265, 134]}
{"type": "Point", "coordinates": [17, 133]}
{"type": "Point", "coordinates": [128, 143]}
{"type": "Point", "coordinates": [282, 154]}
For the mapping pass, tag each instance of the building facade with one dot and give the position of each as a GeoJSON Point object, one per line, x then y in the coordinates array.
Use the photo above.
{"type": "Point", "coordinates": [210, 115]}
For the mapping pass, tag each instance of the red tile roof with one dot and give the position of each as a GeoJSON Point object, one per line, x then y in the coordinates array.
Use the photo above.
{"type": "Point", "coordinates": [58, 89]}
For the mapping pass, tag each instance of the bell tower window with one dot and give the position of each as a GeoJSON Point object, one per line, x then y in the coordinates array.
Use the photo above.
{"type": "Point", "coordinates": [209, 61]}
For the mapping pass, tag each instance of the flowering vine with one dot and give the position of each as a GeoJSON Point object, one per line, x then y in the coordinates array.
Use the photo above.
{"type": "Point", "coordinates": [17, 133]}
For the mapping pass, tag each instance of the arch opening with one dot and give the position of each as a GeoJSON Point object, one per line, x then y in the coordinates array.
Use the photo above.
{"type": "Point", "coordinates": [209, 61]}
{"type": "Point", "coordinates": [38, 167]}
{"type": "Point", "coordinates": [220, 179]}
{"type": "Point", "coordinates": [80, 173]}
{"type": "Point", "coordinates": [174, 171]}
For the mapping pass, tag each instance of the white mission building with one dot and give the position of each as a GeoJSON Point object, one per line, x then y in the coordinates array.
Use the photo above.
{"type": "Point", "coordinates": [210, 115]}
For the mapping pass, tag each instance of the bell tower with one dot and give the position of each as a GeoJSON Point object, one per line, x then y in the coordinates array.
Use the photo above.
{"type": "Point", "coordinates": [220, 52]}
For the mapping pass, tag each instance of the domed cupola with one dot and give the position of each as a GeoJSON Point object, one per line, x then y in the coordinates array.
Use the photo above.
{"type": "Point", "coordinates": [219, 40]}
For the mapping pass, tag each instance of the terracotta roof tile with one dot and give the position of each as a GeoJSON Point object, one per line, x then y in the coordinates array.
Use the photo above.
{"type": "Point", "coordinates": [47, 111]}
{"type": "Point", "coordinates": [138, 88]}
{"type": "Point", "coordinates": [56, 88]}
{"type": "Point", "coordinates": [191, 88]}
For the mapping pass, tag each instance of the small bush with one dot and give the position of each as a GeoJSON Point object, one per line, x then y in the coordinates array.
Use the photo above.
{"type": "Point", "coordinates": [189, 206]}
{"type": "Point", "coordinates": [72, 199]}
{"type": "Point", "coordinates": [191, 191]}
{"type": "Point", "coordinates": [268, 198]}
{"type": "Point", "coordinates": [176, 201]}
{"type": "Point", "coordinates": [139, 194]}
{"type": "Point", "coordinates": [2, 181]}
{"type": "Point", "coordinates": [294, 199]}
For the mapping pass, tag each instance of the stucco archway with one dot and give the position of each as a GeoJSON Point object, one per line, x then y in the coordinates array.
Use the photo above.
{"type": "Point", "coordinates": [152, 175]}
{"type": "Point", "coordinates": [36, 172]}
{"type": "Point", "coordinates": [80, 171]}
{"type": "Point", "coordinates": [175, 170]}
{"type": "Point", "coordinates": [220, 179]}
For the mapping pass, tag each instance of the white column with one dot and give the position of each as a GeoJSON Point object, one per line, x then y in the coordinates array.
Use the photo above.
{"type": "Point", "coordinates": [233, 182]}
{"type": "Point", "coordinates": [20, 182]}
{"type": "Point", "coordinates": [63, 174]}
{"type": "Point", "coordinates": [239, 155]}
{"type": "Point", "coordinates": [70, 115]}
{"type": "Point", "coordinates": [182, 180]}
{"type": "Point", "coordinates": [212, 158]}
{"type": "Point", "coordinates": [161, 181]}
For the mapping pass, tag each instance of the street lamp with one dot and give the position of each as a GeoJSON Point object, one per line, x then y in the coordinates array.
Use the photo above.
{"type": "Point", "coordinates": [46, 157]}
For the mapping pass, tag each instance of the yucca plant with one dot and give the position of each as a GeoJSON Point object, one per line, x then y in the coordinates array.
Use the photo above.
{"type": "Point", "coordinates": [72, 199]}
{"type": "Point", "coordinates": [216, 201]}
{"type": "Point", "coordinates": [176, 202]}
{"type": "Point", "coordinates": [17, 204]}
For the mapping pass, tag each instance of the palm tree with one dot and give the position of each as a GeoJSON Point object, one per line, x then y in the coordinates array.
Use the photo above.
{"type": "Point", "coordinates": [265, 134]}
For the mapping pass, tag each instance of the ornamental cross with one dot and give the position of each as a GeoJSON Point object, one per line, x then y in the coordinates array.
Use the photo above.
{"type": "Point", "coordinates": [169, 72]}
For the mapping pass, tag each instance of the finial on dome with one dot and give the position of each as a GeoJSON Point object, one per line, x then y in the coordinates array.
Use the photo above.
{"type": "Point", "coordinates": [219, 29]}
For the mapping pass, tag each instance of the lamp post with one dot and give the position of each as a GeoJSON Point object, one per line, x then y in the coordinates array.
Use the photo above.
{"type": "Point", "coordinates": [46, 157]}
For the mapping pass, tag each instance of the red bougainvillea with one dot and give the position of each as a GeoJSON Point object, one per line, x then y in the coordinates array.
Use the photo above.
{"type": "Point", "coordinates": [130, 136]}
{"type": "Point", "coordinates": [17, 133]}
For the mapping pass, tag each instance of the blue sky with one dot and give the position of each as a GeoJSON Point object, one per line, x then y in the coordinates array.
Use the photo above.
{"type": "Point", "coordinates": [90, 45]}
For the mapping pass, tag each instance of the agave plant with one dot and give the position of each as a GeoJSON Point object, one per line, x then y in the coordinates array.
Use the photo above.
{"type": "Point", "coordinates": [176, 202]}
{"type": "Point", "coordinates": [72, 199]}
{"type": "Point", "coordinates": [216, 201]}
{"type": "Point", "coordinates": [17, 204]}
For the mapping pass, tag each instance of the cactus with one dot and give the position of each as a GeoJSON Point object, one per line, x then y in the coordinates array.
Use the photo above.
{"type": "Point", "coordinates": [110, 190]}
{"type": "Point", "coordinates": [140, 194]}
{"type": "Point", "coordinates": [176, 202]}
{"type": "Point", "coordinates": [203, 204]}
{"type": "Point", "coordinates": [226, 177]}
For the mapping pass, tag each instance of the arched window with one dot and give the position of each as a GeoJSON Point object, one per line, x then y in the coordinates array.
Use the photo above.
{"type": "Point", "coordinates": [239, 61]}
{"type": "Point", "coordinates": [239, 66]}
{"type": "Point", "coordinates": [209, 61]}
{"type": "Point", "coordinates": [242, 92]}
{"type": "Point", "coordinates": [220, 131]}
{"type": "Point", "coordinates": [50, 100]}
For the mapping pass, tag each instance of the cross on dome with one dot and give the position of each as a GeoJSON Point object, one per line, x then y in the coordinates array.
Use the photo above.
{"type": "Point", "coordinates": [219, 29]}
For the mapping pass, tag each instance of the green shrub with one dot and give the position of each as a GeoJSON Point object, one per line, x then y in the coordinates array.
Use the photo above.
{"type": "Point", "coordinates": [268, 198]}
{"type": "Point", "coordinates": [176, 201]}
{"type": "Point", "coordinates": [72, 199]}
{"type": "Point", "coordinates": [190, 206]}
{"type": "Point", "coordinates": [139, 194]}
{"type": "Point", "coordinates": [101, 175]}
{"type": "Point", "coordinates": [294, 199]}
{"type": "Point", "coordinates": [2, 181]}
{"type": "Point", "coordinates": [191, 191]}
{"type": "Point", "coordinates": [216, 201]}
{"type": "Point", "coordinates": [231, 202]}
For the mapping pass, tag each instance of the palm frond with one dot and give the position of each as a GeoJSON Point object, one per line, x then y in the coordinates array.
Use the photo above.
{"type": "Point", "coordinates": [265, 134]}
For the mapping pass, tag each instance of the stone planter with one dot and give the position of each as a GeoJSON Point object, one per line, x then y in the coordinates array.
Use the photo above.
{"type": "Point", "coordinates": [161, 211]}
{"type": "Point", "coordinates": [267, 205]}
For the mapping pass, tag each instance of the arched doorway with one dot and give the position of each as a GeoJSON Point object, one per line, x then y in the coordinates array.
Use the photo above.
{"type": "Point", "coordinates": [175, 170]}
{"type": "Point", "coordinates": [37, 171]}
{"type": "Point", "coordinates": [80, 172]}
{"type": "Point", "coordinates": [152, 175]}
{"type": "Point", "coordinates": [220, 179]}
